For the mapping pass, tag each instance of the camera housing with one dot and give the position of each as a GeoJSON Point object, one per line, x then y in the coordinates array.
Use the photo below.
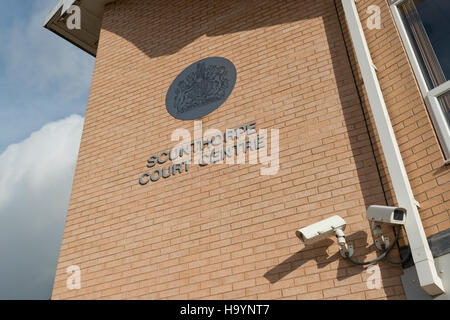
{"type": "Point", "coordinates": [386, 214]}
{"type": "Point", "coordinates": [321, 230]}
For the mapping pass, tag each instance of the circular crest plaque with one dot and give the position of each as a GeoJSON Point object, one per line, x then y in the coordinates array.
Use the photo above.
{"type": "Point", "coordinates": [201, 88]}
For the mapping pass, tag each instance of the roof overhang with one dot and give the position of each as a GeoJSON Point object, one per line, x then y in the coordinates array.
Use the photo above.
{"type": "Point", "coordinates": [85, 38]}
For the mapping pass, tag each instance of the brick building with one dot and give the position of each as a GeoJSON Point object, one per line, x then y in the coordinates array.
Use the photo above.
{"type": "Point", "coordinates": [361, 105]}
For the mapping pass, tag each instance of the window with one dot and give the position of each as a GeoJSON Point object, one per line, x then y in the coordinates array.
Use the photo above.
{"type": "Point", "coordinates": [444, 102]}
{"type": "Point", "coordinates": [424, 26]}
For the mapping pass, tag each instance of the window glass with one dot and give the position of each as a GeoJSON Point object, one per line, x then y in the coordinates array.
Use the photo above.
{"type": "Point", "coordinates": [428, 25]}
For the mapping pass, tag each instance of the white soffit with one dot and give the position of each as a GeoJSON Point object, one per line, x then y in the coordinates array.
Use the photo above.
{"type": "Point", "coordinates": [85, 38]}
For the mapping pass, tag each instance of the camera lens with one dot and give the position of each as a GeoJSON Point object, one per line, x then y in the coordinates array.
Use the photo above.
{"type": "Point", "coordinates": [398, 215]}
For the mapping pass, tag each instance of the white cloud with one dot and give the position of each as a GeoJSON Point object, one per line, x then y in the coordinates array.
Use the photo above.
{"type": "Point", "coordinates": [42, 76]}
{"type": "Point", "coordinates": [35, 183]}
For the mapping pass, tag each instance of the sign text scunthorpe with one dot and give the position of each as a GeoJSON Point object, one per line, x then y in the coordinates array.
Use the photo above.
{"type": "Point", "coordinates": [230, 147]}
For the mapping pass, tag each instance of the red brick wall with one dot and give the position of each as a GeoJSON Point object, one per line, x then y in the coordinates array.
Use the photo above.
{"type": "Point", "coordinates": [413, 128]}
{"type": "Point", "coordinates": [222, 232]}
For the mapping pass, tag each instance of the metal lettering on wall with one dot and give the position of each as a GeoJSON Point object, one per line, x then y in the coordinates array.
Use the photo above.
{"type": "Point", "coordinates": [227, 144]}
{"type": "Point", "coordinates": [201, 88]}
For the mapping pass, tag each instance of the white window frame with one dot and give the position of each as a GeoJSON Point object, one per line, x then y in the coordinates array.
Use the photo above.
{"type": "Point", "coordinates": [430, 96]}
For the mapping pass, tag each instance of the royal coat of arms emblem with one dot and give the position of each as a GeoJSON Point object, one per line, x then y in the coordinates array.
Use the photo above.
{"type": "Point", "coordinates": [201, 88]}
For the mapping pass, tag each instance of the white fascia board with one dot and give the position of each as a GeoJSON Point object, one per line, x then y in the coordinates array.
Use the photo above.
{"type": "Point", "coordinates": [421, 253]}
{"type": "Point", "coordinates": [91, 18]}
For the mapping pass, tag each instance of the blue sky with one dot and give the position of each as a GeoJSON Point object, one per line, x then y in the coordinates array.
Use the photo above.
{"type": "Point", "coordinates": [44, 88]}
{"type": "Point", "coordinates": [43, 78]}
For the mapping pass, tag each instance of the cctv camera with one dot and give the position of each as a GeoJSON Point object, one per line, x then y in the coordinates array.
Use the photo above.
{"type": "Point", "coordinates": [385, 214]}
{"type": "Point", "coordinates": [324, 229]}
{"type": "Point", "coordinates": [320, 230]}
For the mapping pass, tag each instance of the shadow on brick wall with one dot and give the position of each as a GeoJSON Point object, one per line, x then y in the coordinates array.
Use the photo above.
{"type": "Point", "coordinates": [160, 19]}
{"type": "Point", "coordinates": [319, 253]}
